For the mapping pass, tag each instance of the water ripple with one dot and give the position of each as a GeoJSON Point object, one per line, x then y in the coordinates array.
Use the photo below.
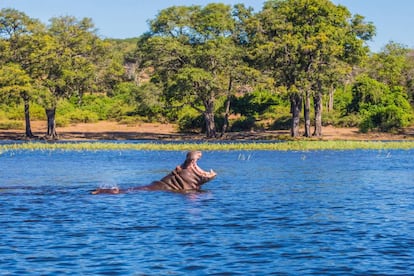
{"type": "Point", "coordinates": [347, 212]}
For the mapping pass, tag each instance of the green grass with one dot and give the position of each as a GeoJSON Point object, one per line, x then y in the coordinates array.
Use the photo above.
{"type": "Point", "coordinates": [280, 146]}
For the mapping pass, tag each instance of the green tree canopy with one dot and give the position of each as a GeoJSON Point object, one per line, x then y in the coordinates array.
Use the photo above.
{"type": "Point", "coordinates": [19, 56]}
{"type": "Point", "coordinates": [194, 51]}
{"type": "Point", "coordinates": [301, 40]}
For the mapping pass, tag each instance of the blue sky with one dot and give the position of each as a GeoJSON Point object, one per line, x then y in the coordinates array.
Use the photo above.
{"type": "Point", "coordinates": [394, 20]}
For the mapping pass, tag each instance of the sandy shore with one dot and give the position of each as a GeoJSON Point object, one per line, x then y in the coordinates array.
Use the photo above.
{"type": "Point", "coordinates": [107, 130]}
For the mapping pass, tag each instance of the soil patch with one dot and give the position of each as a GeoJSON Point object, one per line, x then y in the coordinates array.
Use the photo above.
{"type": "Point", "coordinates": [108, 130]}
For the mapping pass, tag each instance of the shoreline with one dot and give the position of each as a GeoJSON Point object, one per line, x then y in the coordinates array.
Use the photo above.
{"type": "Point", "coordinates": [108, 130]}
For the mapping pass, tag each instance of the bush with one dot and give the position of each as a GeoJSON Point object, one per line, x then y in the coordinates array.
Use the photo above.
{"type": "Point", "coordinates": [243, 124]}
{"type": "Point", "coordinates": [282, 123]}
{"type": "Point", "coordinates": [385, 118]}
{"type": "Point", "coordinates": [351, 120]}
{"type": "Point", "coordinates": [188, 119]}
{"type": "Point", "coordinates": [330, 118]}
{"type": "Point", "coordinates": [119, 111]}
{"type": "Point", "coordinates": [9, 124]}
{"type": "Point", "coordinates": [283, 119]}
{"type": "Point", "coordinates": [255, 103]}
{"type": "Point", "coordinates": [3, 115]}
{"type": "Point", "coordinates": [15, 112]}
{"type": "Point", "coordinates": [98, 105]}
{"type": "Point", "coordinates": [189, 122]}
{"type": "Point", "coordinates": [367, 92]}
{"type": "Point", "coordinates": [380, 107]}
{"type": "Point", "coordinates": [65, 107]}
{"type": "Point", "coordinates": [37, 112]}
{"type": "Point", "coordinates": [62, 121]}
{"type": "Point", "coordinates": [82, 116]}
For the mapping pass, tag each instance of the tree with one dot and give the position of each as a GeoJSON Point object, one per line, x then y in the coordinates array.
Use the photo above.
{"type": "Point", "coordinates": [69, 52]}
{"type": "Point", "coordinates": [409, 75]}
{"type": "Point", "coordinates": [390, 65]}
{"type": "Point", "coordinates": [193, 50]}
{"type": "Point", "coordinates": [300, 41]}
{"type": "Point", "coordinates": [109, 62]}
{"type": "Point", "coordinates": [381, 107]}
{"type": "Point", "coordinates": [18, 57]}
{"type": "Point", "coordinates": [16, 82]}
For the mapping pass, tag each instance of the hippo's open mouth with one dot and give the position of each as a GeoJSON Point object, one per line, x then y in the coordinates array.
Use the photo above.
{"type": "Point", "coordinates": [199, 170]}
{"type": "Point", "coordinates": [186, 177]}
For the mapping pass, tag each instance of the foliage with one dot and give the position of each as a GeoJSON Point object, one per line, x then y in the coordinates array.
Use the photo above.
{"type": "Point", "coordinates": [11, 125]}
{"type": "Point", "coordinates": [205, 66]}
{"type": "Point", "coordinates": [279, 146]}
{"type": "Point", "coordinates": [13, 80]}
{"type": "Point", "coordinates": [389, 66]}
{"type": "Point", "coordinates": [255, 103]}
{"type": "Point", "coordinates": [306, 44]}
{"type": "Point", "coordinates": [385, 118]}
{"type": "Point", "coordinates": [243, 123]}
{"type": "Point", "coordinates": [195, 55]}
{"type": "Point", "coordinates": [11, 111]}
{"type": "Point", "coordinates": [366, 92]}
{"type": "Point", "coordinates": [189, 119]}
{"type": "Point", "coordinates": [382, 108]}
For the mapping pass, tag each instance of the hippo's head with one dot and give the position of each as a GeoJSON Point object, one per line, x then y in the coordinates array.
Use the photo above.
{"type": "Point", "coordinates": [188, 176]}
{"type": "Point", "coordinates": [191, 165]}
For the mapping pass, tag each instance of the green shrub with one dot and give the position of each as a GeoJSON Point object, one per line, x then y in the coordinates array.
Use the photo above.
{"type": "Point", "coordinates": [62, 121]}
{"type": "Point", "coordinates": [188, 119]}
{"type": "Point", "coordinates": [351, 120]}
{"type": "Point", "coordinates": [37, 112]}
{"type": "Point", "coordinates": [282, 119]}
{"type": "Point", "coordinates": [98, 105]}
{"type": "Point", "coordinates": [10, 124]}
{"type": "Point", "coordinates": [15, 112]}
{"type": "Point", "coordinates": [255, 103]}
{"type": "Point", "coordinates": [82, 116]}
{"type": "Point", "coordinates": [3, 114]}
{"type": "Point", "coordinates": [385, 118]}
{"type": "Point", "coordinates": [282, 123]}
{"type": "Point", "coordinates": [367, 92]}
{"type": "Point", "coordinates": [65, 107]}
{"type": "Point", "coordinates": [243, 124]}
{"type": "Point", "coordinates": [190, 122]}
{"type": "Point", "coordinates": [330, 118]}
{"type": "Point", "coordinates": [272, 113]}
{"type": "Point", "coordinates": [118, 111]}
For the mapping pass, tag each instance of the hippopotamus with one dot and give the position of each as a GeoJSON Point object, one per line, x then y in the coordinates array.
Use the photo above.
{"type": "Point", "coordinates": [184, 178]}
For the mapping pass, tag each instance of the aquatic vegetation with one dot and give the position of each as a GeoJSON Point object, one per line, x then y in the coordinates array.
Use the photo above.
{"type": "Point", "coordinates": [227, 146]}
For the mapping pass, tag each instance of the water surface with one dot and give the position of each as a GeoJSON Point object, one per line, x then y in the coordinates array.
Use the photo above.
{"type": "Point", "coordinates": [267, 212]}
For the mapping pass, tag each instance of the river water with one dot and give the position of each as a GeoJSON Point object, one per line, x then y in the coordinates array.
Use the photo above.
{"type": "Point", "coordinates": [267, 212]}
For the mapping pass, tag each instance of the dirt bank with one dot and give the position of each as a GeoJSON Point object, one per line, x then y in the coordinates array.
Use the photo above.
{"type": "Point", "coordinates": [107, 130]}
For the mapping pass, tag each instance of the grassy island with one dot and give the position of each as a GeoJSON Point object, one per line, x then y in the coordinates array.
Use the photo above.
{"type": "Point", "coordinates": [225, 146]}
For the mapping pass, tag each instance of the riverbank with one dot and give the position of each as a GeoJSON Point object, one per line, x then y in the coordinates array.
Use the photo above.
{"type": "Point", "coordinates": [108, 130]}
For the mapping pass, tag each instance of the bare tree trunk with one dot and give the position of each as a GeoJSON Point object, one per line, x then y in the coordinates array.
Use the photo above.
{"type": "Point", "coordinates": [318, 114]}
{"type": "Point", "coordinates": [227, 106]}
{"type": "Point", "coordinates": [51, 124]}
{"type": "Point", "coordinates": [226, 117]}
{"type": "Point", "coordinates": [295, 109]}
{"type": "Point", "coordinates": [306, 114]}
{"type": "Point", "coordinates": [209, 119]}
{"type": "Point", "coordinates": [28, 132]}
{"type": "Point", "coordinates": [331, 99]}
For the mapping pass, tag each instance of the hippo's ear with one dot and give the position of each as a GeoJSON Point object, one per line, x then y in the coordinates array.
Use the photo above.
{"type": "Point", "coordinates": [178, 168]}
